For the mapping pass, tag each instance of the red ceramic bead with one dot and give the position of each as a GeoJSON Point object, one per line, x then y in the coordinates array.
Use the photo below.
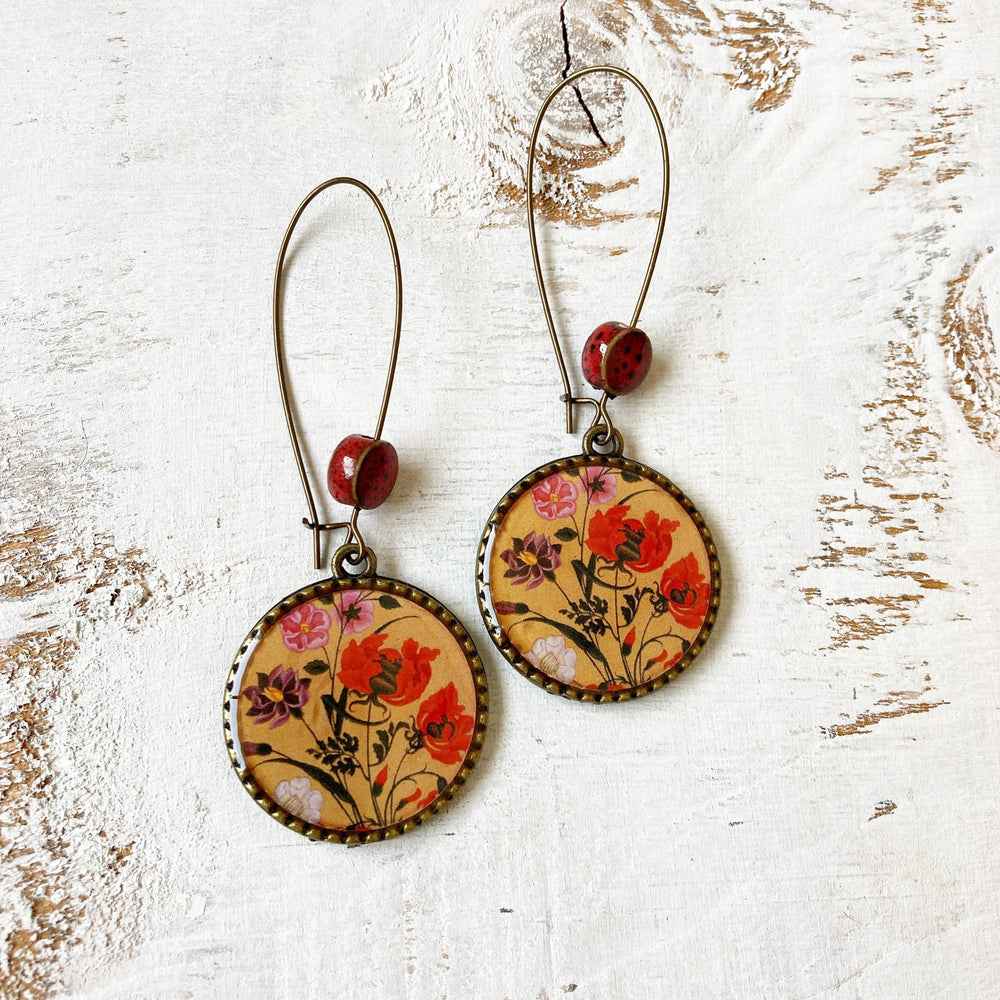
{"type": "Point", "coordinates": [616, 358]}
{"type": "Point", "coordinates": [362, 471]}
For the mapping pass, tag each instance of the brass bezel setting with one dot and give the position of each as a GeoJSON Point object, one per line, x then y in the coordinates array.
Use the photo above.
{"type": "Point", "coordinates": [325, 588]}
{"type": "Point", "coordinates": [499, 637]}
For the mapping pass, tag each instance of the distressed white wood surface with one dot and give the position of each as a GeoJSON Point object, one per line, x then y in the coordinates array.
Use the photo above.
{"type": "Point", "coordinates": [811, 810]}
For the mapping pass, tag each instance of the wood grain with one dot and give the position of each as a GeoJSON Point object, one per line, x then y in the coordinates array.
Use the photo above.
{"type": "Point", "coordinates": [808, 811]}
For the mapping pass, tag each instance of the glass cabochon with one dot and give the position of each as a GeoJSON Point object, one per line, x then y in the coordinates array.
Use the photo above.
{"type": "Point", "coordinates": [598, 579]}
{"type": "Point", "coordinates": [355, 708]}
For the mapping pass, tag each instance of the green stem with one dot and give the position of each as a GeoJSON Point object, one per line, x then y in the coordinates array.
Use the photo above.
{"type": "Point", "coordinates": [618, 632]}
{"type": "Point", "coordinates": [586, 514]}
{"type": "Point", "coordinates": [312, 731]}
{"type": "Point", "coordinates": [395, 777]}
{"type": "Point", "coordinates": [368, 770]}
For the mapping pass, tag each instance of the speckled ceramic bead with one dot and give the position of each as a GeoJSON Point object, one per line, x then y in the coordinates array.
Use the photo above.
{"type": "Point", "coordinates": [616, 358]}
{"type": "Point", "coordinates": [362, 471]}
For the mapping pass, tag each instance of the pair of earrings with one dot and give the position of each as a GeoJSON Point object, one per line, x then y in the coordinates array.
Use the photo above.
{"type": "Point", "coordinates": [357, 706]}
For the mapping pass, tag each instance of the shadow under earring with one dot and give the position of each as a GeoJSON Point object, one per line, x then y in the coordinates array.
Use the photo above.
{"type": "Point", "coordinates": [357, 705]}
{"type": "Point", "coordinates": [597, 577]}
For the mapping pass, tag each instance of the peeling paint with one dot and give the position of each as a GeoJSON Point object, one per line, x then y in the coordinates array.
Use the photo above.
{"type": "Point", "coordinates": [764, 49]}
{"type": "Point", "coordinates": [883, 808]}
{"type": "Point", "coordinates": [882, 526]}
{"type": "Point", "coordinates": [969, 345]}
{"type": "Point", "coordinates": [896, 705]}
{"type": "Point", "coordinates": [61, 873]}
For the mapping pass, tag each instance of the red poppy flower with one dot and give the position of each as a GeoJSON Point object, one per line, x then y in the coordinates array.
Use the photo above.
{"type": "Point", "coordinates": [413, 674]}
{"type": "Point", "coordinates": [361, 662]}
{"type": "Point", "coordinates": [643, 545]}
{"type": "Point", "coordinates": [446, 729]}
{"type": "Point", "coordinates": [607, 532]}
{"type": "Point", "coordinates": [655, 541]}
{"type": "Point", "coordinates": [686, 590]}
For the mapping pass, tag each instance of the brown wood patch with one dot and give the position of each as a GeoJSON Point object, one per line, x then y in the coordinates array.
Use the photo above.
{"type": "Point", "coordinates": [61, 873]}
{"type": "Point", "coordinates": [967, 339]}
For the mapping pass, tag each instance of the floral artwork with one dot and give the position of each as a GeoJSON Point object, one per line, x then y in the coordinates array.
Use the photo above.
{"type": "Point", "coordinates": [356, 709]}
{"type": "Point", "coordinates": [599, 577]}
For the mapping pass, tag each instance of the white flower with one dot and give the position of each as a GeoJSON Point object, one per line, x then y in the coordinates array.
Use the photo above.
{"type": "Point", "coordinates": [298, 797]}
{"type": "Point", "coordinates": [552, 657]}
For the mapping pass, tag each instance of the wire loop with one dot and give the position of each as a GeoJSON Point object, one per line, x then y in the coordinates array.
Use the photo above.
{"type": "Point", "coordinates": [354, 539]}
{"type": "Point", "coordinates": [567, 396]}
{"type": "Point", "coordinates": [602, 439]}
{"type": "Point", "coordinates": [354, 559]}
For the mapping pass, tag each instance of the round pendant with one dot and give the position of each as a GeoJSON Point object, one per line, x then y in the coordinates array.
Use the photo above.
{"type": "Point", "coordinates": [598, 579]}
{"type": "Point", "coordinates": [355, 709]}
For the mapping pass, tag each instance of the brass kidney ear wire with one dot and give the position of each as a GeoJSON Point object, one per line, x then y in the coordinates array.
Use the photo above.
{"type": "Point", "coordinates": [597, 577]}
{"type": "Point", "coordinates": [601, 414]}
{"type": "Point", "coordinates": [357, 551]}
{"type": "Point", "coordinates": [357, 706]}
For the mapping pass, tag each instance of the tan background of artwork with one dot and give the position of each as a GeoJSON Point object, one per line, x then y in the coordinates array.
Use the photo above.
{"type": "Point", "coordinates": [450, 666]}
{"type": "Point", "coordinates": [546, 599]}
{"type": "Point", "coordinates": [810, 812]}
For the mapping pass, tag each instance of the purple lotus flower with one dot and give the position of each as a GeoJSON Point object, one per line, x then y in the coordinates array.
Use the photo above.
{"type": "Point", "coordinates": [531, 559]}
{"type": "Point", "coordinates": [277, 696]}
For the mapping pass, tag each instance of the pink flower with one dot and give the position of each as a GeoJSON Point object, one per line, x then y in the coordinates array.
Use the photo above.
{"type": "Point", "coordinates": [554, 497]}
{"type": "Point", "coordinates": [354, 612]}
{"type": "Point", "coordinates": [307, 627]}
{"type": "Point", "coordinates": [599, 482]}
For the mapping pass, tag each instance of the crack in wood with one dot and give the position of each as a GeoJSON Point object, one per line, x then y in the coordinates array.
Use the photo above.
{"type": "Point", "coordinates": [576, 88]}
{"type": "Point", "coordinates": [758, 54]}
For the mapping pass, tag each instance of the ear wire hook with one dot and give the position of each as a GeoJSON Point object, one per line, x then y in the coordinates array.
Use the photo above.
{"type": "Point", "coordinates": [567, 397]}
{"type": "Point", "coordinates": [312, 522]}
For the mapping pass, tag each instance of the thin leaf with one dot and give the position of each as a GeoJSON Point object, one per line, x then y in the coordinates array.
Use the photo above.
{"type": "Point", "coordinates": [589, 647]}
{"type": "Point", "coordinates": [393, 621]}
{"type": "Point", "coordinates": [625, 500]}
{"type": "Point", "coordinates": [334, 787]}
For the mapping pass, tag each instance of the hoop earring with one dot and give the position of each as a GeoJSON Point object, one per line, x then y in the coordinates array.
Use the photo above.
{"type": "Point", "coordinates": [597, 577]}
{"type": "Point", "coordinates": [356, 706]}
